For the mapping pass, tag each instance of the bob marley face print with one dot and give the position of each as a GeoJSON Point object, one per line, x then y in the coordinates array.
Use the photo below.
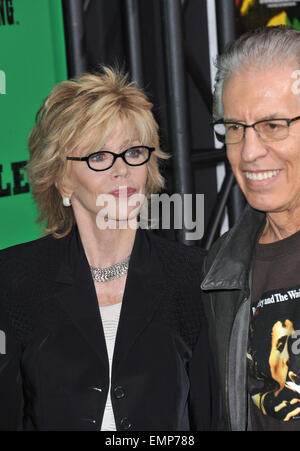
{"type": "Point", "coordinates": [274, 354]}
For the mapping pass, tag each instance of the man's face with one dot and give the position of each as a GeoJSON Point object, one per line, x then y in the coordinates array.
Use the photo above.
{"type": "Point", "coordinates": [252, 95]}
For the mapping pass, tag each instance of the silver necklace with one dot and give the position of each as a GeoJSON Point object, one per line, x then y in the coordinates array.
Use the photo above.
{"type": "Point", "coordinates": [112, 272]}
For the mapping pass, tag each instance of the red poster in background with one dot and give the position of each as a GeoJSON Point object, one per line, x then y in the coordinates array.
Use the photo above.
{"type": "Point", "coordinates": [256, 13]}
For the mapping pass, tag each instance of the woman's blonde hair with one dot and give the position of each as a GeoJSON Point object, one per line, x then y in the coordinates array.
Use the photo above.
{"type": "Point", "coordinates": [75, 108]}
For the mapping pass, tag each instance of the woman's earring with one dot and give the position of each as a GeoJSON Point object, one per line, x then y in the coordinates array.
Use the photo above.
{"type": "Point", "coordinates": [66, 201]}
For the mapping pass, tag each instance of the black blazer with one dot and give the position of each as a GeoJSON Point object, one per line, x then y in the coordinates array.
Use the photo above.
{"type": "Point", "coordinates": [54, 374]}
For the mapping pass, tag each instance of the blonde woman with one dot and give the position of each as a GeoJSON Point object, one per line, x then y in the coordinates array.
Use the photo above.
{"type": "Point", "coordinates": [104, 325]}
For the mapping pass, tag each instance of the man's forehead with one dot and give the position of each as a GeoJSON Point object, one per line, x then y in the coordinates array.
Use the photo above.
{"type": "Point", "coordinates": [263, 77]}
{"type": "Point", "coordinates": [262, 92]}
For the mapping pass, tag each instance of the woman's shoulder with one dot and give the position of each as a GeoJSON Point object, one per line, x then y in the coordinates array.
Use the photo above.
{"type": "Point", "coordinates": [175, 248]}
{"type": "Point", "coordinates": [22, 285]}
{"type": "Point", "coordinates": [28, 258]}
{"type": "Point", "coordinates": [179, 259]}
{"type": "Point", "coordinates": [25, 250]}
{"type": "Point", "coordinates": [181, 272]}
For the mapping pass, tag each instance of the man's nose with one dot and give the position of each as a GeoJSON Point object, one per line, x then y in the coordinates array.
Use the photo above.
{"type": "Point", "coordinates": [252, 147]}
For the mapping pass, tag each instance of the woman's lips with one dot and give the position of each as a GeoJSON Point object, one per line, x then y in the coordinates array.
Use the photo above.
{"type": "Point", "coordinates": [123, 191]}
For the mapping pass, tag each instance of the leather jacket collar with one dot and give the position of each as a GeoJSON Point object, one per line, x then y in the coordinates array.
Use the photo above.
{"type": "Point", "coordinates": [230, 268]}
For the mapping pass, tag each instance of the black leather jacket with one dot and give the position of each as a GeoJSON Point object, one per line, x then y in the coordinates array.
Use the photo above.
{"type": "Point", "coordinates": [227, 284]}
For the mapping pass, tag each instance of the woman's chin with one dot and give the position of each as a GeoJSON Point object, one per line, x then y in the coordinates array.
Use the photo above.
{"type": "Point", "coordinates": [117, 222]}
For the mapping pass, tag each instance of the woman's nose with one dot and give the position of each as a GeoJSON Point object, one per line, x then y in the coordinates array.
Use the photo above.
{"type": "Point", "coordinates": [120, 168]}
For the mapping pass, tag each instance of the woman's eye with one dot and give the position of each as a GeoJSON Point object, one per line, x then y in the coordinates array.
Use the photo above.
{"type": "Point", "coordinates": [100, 156]}
{"type": "Point", "coordinates": [134, 153]}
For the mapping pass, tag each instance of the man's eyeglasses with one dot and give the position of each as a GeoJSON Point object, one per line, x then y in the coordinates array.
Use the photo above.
{"type": "Point", "coordinates": [269, 130]}
{"type": "Point", "coordinates": [103, 159]}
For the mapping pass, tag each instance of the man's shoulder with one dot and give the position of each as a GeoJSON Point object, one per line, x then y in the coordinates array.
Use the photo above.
{"type": "Point", "coordinates": [216, 246]}
{"type": "Point", "coordinates": [239, 236]}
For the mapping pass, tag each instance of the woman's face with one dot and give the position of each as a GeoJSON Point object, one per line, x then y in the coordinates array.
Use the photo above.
{"type": "Point", "coordinates": [267, 172]}
{"type": "Point", "coordinates": [114, 194]}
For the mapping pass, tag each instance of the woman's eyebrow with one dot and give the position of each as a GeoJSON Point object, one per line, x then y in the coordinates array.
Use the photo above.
{"type": "Point", "coordinates": [125, 144]}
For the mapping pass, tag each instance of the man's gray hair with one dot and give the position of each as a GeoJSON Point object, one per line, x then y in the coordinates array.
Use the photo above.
{"type": "Point", "coordinates": [262, 47]}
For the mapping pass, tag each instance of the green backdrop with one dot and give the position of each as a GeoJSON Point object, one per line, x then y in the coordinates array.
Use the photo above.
{"type": "Point", "coordinates": [32, 61]}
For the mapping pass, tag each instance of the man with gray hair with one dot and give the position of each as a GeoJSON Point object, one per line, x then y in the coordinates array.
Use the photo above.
{"type": "Point", "coordinates": [252, 280]}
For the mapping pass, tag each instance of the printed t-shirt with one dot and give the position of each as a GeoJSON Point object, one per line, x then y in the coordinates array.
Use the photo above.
{"type": "Point", "coordinates": [273, 355]}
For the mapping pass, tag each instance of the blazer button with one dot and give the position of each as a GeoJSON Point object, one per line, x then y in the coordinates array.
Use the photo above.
{"type": "Point", "coordinates": [125, 423]}
{"type": "Point", "coordinates": [119, 392]}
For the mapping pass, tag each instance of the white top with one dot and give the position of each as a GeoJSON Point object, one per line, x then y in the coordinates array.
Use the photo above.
{"type": "Point", "coordinates": [110, 315]}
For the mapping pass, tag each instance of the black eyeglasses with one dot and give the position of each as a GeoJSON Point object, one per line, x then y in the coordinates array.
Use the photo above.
{"type": "Point", "coordinates": [268, 130]}
{"type": "Point", "coordinates": [103, 159]}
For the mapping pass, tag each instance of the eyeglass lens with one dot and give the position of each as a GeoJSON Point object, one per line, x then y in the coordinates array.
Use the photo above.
{"type": "Point", "coordinates": [134, 156]}
{"type": "Point", "coordinates": [233, 133]}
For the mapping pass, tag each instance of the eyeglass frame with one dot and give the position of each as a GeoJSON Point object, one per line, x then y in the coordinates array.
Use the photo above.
{"type": "Point", "coordinates": [221, 121]}
{"type": "Point", "coordinates": [115, 156]}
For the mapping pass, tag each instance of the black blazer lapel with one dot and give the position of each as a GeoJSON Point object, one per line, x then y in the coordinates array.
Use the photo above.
{"type": "Point", "coordinates": [142, 295]}
{"type": "Point", "coordinates": [76, 293]}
